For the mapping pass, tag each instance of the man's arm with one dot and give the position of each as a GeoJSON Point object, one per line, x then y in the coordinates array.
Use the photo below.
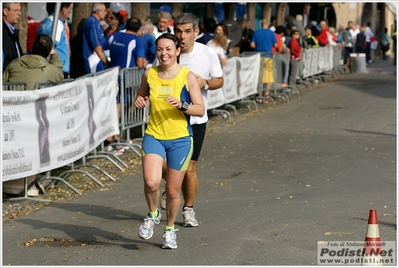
{"type": "Point", "coordinates": [141, 62]}
{"type": "Point", "coordinates": [100, 52]}
{"type": "Point", "coordinates": [213, 83]}
{"type": "Point", "coordinates": [56, 73]}
{"type": "Point", "coordinates": [54, 59]}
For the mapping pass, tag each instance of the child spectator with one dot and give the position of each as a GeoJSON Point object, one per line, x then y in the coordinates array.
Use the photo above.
{"type": "Point", "coordinates": [295, 57]}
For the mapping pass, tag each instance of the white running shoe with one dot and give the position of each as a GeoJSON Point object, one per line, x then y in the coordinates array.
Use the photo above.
{"type": "Point", "coordinates": [189, 219]}
{"type": "Point", "coordinates": [169, 239]}
{"type": "Point", "coordinates": [146, 229]}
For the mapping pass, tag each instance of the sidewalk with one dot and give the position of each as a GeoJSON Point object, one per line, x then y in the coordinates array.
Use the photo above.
{"type": "Point", "coordinates": [273, 182]}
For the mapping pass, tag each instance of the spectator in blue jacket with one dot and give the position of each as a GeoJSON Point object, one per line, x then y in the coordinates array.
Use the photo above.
{"type": "Point", "coordinates": [94, 57]}
{"type": "Point", "coordinates": [61, 40]}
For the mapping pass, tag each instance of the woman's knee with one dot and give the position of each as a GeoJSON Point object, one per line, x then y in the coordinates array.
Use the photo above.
{"type": "Point", "coordinates": [151, 185]}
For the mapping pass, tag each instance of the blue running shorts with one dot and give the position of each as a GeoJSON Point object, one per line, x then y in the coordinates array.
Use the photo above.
{"type": "Point", "coordinates": [177, 152]}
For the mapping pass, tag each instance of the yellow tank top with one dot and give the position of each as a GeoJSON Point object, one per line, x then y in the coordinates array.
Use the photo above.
{"type": "Point", "coordinates": [165, 121]}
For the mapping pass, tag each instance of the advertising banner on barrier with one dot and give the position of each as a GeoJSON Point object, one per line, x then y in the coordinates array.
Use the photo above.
{"type": "Point", "coordinates": [248, 69]}
{"type": "Point", "coordinates": [315, 61]}
{"type": "Point", "coordinates": [307, 62]}
{"type": "Point", "coordinates": [49, 128]}
{"type": "Point", "coordinates": [230, 75]}
{"type": "Point", "coordinates": [103, 122]}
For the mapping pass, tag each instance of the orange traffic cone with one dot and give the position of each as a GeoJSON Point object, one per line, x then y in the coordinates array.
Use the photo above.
{"type": "Point", "coordinates": [372, 248]}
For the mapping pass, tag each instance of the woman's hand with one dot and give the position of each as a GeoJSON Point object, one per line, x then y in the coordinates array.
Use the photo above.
{"type": "Point", "coordinates": [141, 102]}
{"type": "Point", "coordinates": [174, 102]}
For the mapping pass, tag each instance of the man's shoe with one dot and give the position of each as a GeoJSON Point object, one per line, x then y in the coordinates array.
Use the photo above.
{"type": "Point", "coordinates": [146, 229]}
{"type": "Point", "coordinates": [40, 187]}
{"type": "Point", "coordinates": [169, 239]}
{"type": "Point", "coordinates": [189, 218]}
{"type": "Point", "coordinates": [114, 150]}
{"type": "Point", "coordinates": [163, 200]}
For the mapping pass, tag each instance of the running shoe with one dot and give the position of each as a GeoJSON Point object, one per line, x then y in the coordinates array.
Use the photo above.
{"type": "Point", "coordinates": [146, 229]}
{"type": "Point", "coordinates": [169, 239]}
{"type": "Point", "coordinates": [189, 217]}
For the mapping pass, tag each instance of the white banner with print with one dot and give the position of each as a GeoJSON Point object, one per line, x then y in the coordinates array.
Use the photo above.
{"type": "Point", "coordinates": [248, 69]}
{"type": "Point", "coordinates": [49, 128]}
{"type": "Point", "coordinates": [230, 74]}
{"type": "Point", "coordinates": [240, 76]}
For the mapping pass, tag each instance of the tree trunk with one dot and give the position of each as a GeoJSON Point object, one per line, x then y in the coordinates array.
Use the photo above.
{"type": "Point", "coordinates": [281, 10]}
{"type": "Point", "coordinates": [177, 9]}
{"type": "Point", "coordinates": [22, 26]}
{"type": "Point", "coordinates": [141, 11]}
{"type": "Point", "coordinates": [251, 8]}
{"type": "Point", "coordinates": [209, 10]}
{"type": "Point", "coordinates": [267, 12]}
{"type": "Point", "coordinates": [81, 11]}
{"type": "Point", "coordinates": [229, 11]}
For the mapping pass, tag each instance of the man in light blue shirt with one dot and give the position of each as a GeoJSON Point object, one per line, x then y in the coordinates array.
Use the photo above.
{"type": "Point", "coordinates": [61, 39]}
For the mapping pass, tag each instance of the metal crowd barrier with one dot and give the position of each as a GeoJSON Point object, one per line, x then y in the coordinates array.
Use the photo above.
{"type": "Point", "coordinates": [283, 67]}
{"type": "Point", "coordinates": [16, 86]}
{"type": "Point", "coordinates": [131, 117]}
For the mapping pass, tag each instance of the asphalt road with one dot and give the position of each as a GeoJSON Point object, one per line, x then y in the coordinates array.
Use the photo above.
{"type": "Point", "coordinates": [272, 184]}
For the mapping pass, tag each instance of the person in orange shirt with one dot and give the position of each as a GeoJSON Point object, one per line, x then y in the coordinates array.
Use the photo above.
{"type": "Point", "coordinates": [279, 35]}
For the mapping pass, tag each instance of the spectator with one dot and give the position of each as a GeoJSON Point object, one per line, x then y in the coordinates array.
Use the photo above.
{"type": "Point", "coordinates": [348, 43]}
{"type": "Point", "coordinates": [263, 41]}
{"type": "Point", "coordinates": [42, 65]}
{"type": "Point", "coordinates": [322, 38]}
{"type": "Point", "coordinates": [241, 10]}
{"type": "Point", "coordinates": [163, 25]}
{"type": "Point", "coordinates": [220, 43]}
{"type": "Point", "coordinates": [149, 41]}
{"type": "Point", "coordinates": [11, 46]}
{"type": "Point", "coordinates": [124, 18]}
{"type": "Point", "coordinates": [273, 24]}
{"type": "Point", "coordinates": [295, 57]}
{"type": "Point", "coordinates": [105, 23]}
{"type": "Point", "coordinates": [126, 48]}
{"type": "Point", "coordinates": [287, 37]}
{"type": "Point", "coordinates": [169, 133]}
{"type": "Point", "coordinates": [110, 12]}
{"type": "Point", "coordinates": [361, 41]}
{"type": "Point", "coordinates": [281, 48]}
{"type": "Point", "coordinates": [368, 33]}
{"type": "Point", "coordinates": [312, 41]}
{"type": "Point", "coordinates": [354, 31]}
{"type": "Point", "coordinates": [298, 23]}
{"type": "Point", "coordinates": [61, 41]}
{"type": "Point", "coordinates": [246, 36]}
{"type": "Point", "coordinates": [332, 37]}
{"type": "Point", "coordinates": [94, 57]}
{"type": "Point", "coordinates": [385, 43]}
{"type": "Point", "coordinates": [314, 29]}
{"type": "Point", "coordinates": [208, 33]}
{"type": "Point", "coordinates": [115, 21]}
{"type": "Point", "coordinates": [279, 33]}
